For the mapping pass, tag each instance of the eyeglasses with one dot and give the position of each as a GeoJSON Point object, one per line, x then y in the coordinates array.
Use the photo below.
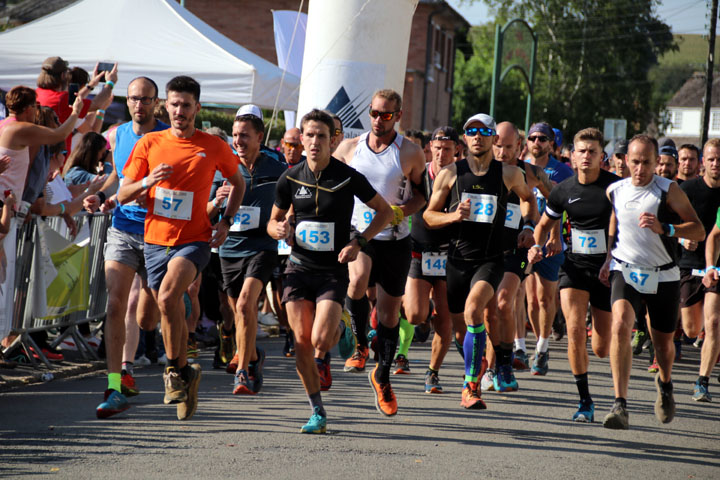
{"type": "Point", "coordinates": [292, 146]}
{"type": "Point", "coordinates": [143, 100]}
{"type": "Point", "coordinates": [338, 131]}
{"type": "Point", "coordinates": [538, 138]}
{"type": "Point", "coordinates": [484, 131]}
{"type": "Point", "coordinates": [444, 138]}
{"type": "Point", "coordinates": [64, 152]}
{"type": "Point", "coordinates": [384, 116]}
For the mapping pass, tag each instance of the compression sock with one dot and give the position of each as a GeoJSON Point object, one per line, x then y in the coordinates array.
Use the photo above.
{"type": "Point", "coordinates": [621, 401]}
{"type": "Point", "coordinates": [542, 345]}
{"type": "Point", "coordinates": [474, 346]}
{"type": "Point", "coordinates": [520, 344]}
{"type": "Point", "coordinates": [114, 382]}
{"type": "Point", "coordinates": [316, 401]}
{"type": "Point", "coordinates": [503, 354]}
{"type": "Point", "coordinates": [405, 336]}
{"type": "Point", "coordinates": [704, 381]}
{"type": "Point", "coordinates": [128, 367]}
{"type": "Point", "coordinates": [359, 313]}
{"type": "Point", "coordinates": [581, 381]}
{"type": "Point", "coordinates": [387, 343]}
{"type": "Point", "coordinates": [173, 362]}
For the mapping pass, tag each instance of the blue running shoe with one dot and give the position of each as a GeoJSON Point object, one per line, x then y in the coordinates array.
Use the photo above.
{"type": "Point", "coordinates": [255, 370]}
{"type": "Point", "coordinates": [316, 424]}
{"type": "Point", "coordinates": [432, 383]}
{"type": "Point", "coordinates": [700, 393]}
{"type": "Point", "coordinates": [504, 380]}
{"type": "Point", "coordinates": [585, 413]}
{"type": "Point", "coordinates": [346, 345]}
{"type": "Point", "coordinates": [115, 402]}
{"type": "Point", "coordinates": [540, 365]}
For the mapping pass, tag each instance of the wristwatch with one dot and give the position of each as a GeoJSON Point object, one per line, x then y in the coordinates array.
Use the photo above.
{"type": "Point", "coordinates": [362, 241]}
{"type": "Point", "coordinates": [228, 220]}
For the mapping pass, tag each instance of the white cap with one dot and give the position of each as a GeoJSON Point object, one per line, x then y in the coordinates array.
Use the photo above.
{"type": "Point", "coordinates": [486, 120]}
{"type": "Point", "coordinates": [249, 109]}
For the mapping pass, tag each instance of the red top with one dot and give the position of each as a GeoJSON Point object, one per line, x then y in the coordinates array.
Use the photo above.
{"type": "Point", "coordinates": [58, 101]}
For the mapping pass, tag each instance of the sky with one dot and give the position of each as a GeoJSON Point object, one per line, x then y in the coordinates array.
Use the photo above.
{"type": "Point", "coordinates": [684, 16]}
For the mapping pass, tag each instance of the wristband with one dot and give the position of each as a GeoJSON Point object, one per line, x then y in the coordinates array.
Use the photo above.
{"type": "Point", "coordinates": [672, 230]}
{"type": "Point", "coordinates": [110, 84]}
{"type": "Point", "coordinates": [362, 241]}
{"type": "Point", "coordinates": [62, 209]}
{"type": "Point", "coordinates": [100, 111]}
{"type": "Point", "coordinates": [144, 183]}
{"type": "Point", "coordinates": [527, 226]}
{"type": "Point", "coordinates": [215, 203]}
{"type": "Point", "coordinates": [537, 246]}
{"type": "Point", "coordinates": [101, 196]}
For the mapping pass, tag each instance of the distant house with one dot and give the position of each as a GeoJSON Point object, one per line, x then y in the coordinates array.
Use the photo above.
{"type": "Point", "coordinates": [683, 113]}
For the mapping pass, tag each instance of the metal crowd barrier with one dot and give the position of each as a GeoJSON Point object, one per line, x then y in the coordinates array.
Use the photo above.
{"type": "Point", "coordinates": [23, 323]}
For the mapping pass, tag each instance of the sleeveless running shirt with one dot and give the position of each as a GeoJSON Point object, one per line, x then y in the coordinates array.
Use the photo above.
{"type": "Point", "coordinates": [641, 246]}
{"type": "Point", "coordinates": [513, 216]}
{"type": "Point", "coordinates": [14, 177]}
{"type": "Point", "coordinates": [423, 238]}
{"type": "Point", "coordinates": [479, 237]}
{"type": "Point", "coordinates": [384, 172]}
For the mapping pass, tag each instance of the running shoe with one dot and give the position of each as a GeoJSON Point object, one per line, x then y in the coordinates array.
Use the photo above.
{"type": "Point", "coordinates": [255, 370]}
{"type": "Point", "coordinates": [129, 389]}
{"type": "Point", "coordinates": [654, 367]}
{"type": "Point", "coordinates": [487, 381]}
{"type": "Point", "coordinates": [402, 365]}
{"type": "Point", "coordinates": [289, 348]}
{"type": "Point", "coordinates": [51, 355]}
{"type": "Point", "coordinates": [227, 347]}
{"type": "Point", "coordinates": [665, 402]}
{"type": "Point", "coordinates": [585, 413]}
{"type": "Point", "coordinates": [422, 332]}
{"type": "Point", "coordinates": [520, 360]}
{"type": "Point", "coordinates": [323, 367]}
{"type": "Point", "coordinates": [699, 340]}
{"type": "Point", "coordinates": [618, 418]}
{"type": "Point", "coordinates": [242, 384]}
{"type": "Point", "coordinates": [192, 348]}
{"type": "Point", "coordinates": [233, 365]}
{"type": "Point", "coordinates": [504, 380]}
{"type": "Point", "coordinates": [142, 361]}
{"type": "Point", "coordinates": [217, 362]}
{"type": "Point", "coordinates": [175, 386]}
{"type": "Point", "coordinates": [638, 342]}
{"type": "Point", "coordinates": [385, 401]}
{"type": "Point", "coordinates": [268, 319]}
{"type": "Point", "coordinates": [115, 402]}
{"type": "Point", "coordinates": [558, 327]}
{"type": "Point", "coordinates": [186, 409]}
{"type": "Point", "coordinates": [347, 342]}
{"type": "Point", "coordinates": [540, 365]}
{"type": "Point", "coordinates": [316, 424]}
{"type": "Point", "coordinates": [356, 363]}
{"type": "Point", "coordinates": [700, 393]}
{"type": "Point", "coordinates": [432, 383]}
{"type": "Point", "coordinates": [470, 397]}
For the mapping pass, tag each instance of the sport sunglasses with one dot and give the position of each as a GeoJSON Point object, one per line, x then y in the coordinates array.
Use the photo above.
{"type": "Point", "coordinates": [484, 131]}
{"type": "Point", "coordinates": [384, 116]}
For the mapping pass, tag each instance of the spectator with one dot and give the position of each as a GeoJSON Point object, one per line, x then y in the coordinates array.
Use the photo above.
{"type": "Point", "coordinates": [88, 161]}
{"type": "Point", "coordinates": [292, 148]}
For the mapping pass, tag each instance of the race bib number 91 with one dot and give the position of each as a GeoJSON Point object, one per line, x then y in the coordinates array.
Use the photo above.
{"type": "Point", "coordinates": [176, 204]}
{"type": "Point", "coordinates": [317, 236]}
{"type": "Point", "coordinates": [482, 207]}
{"type": "Point", "coordinates": [362, 216]}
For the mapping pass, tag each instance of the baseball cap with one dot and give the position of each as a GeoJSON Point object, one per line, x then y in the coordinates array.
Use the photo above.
{"type": "Point", "coordinates": [54, 65]}
{"type": "Point", "coordinates": [543, 128]}
{"type": "Point", "coordinates": [249, 109]}
{"type": "Point", "coordinates": [558, 137]}
{"type": "Point", "coordinates": [669, 150]}
{"type": "Point", "coordinates": [483, 118]}
{"type": "Point", "coordinates": [621, 147]}
{"type": "Point", "coordinates": [445, 133]}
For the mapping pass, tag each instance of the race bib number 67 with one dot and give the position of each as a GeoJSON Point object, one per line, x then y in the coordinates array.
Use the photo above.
{"type": "Point", "coordinates": [176, 204]}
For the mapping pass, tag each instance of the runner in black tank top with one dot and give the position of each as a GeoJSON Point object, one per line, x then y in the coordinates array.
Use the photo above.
{"type": "Point", "coordinates": [471, 195]}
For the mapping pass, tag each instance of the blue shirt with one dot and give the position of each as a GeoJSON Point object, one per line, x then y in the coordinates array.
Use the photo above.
{"type": "Point", "coordinates": [129, 218]}
{"type": "Point", "coordinates": [556, 172]}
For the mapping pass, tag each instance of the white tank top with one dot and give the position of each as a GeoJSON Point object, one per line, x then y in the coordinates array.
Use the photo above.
{"type": "Point", "coordinates": [635, 245]}
{"type": "Point", "coordinates": [14, 177]}
{"type": "Point", "coordinates": [384, 172]}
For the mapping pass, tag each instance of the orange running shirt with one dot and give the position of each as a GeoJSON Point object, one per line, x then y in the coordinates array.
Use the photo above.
{"type": "Point", "coordinates": [173, 219]}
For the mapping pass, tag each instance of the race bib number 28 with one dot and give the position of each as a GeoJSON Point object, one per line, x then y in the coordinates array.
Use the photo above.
{"type": "Point", "coordinates": [176, 204]}
{"type": "Point", "coordinates": [482, 207]}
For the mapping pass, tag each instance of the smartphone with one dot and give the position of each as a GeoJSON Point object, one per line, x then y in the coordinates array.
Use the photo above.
{"type": "Point", "coordinates": [73, 90]}
{"type": "Point", "coordinates": [105, 66]}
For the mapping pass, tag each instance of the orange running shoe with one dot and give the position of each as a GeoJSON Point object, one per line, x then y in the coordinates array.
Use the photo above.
{"type": "Point", "coordinates": [356, 363]}
{"type": "Point", "coordinates": [385, 400]}
{"type": "Point", "coordinates": [233, 365]}
{"type": "Point", "coordinates": [471, 399]}
{"type": "Point", "coordinates": [129, 389]}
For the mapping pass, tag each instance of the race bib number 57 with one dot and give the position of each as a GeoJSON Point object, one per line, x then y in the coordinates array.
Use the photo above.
{"type": "Point", "coordinates": [176, 204]}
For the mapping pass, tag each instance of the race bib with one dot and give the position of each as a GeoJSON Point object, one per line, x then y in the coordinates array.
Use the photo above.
{"type": "Point", "coordinates": [284, 248]}
{"type": "Point", "coordinates": [513, 216]}
{"type": "Point", "coordinates": [175, 204]}
{"type": "Point", "coordinates": [317, 236]}
{"type": "Point", "coordinates": [433, 264]}
{"type": "Point", "coordinates": [696, 272]}
{"type": "Point", "coordinates": [589, 242]}
{"type": "Point", "coordinates": [482, 207]}
{"type": "Point", "coordinates": [362, 216]}
{"type": "Point", "coordinates": [246, 218]}
{"type": "Point", "coordinates": [644, 280]}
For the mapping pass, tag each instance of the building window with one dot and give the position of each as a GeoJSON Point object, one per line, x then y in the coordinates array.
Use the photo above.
{"type": "Point", "coordinates": [676, 119]}
{"type": "Point", "coordinates": [715, 121]}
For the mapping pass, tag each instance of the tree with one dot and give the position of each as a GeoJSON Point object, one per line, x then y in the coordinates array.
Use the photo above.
{"type": "Point", "coordinates": [593, 59]}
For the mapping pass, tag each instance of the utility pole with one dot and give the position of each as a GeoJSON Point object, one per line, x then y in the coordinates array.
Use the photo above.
{"type": "Point", "coordinates": [707, 100]}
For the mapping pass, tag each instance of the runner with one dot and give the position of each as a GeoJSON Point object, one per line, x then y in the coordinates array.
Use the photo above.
{"type": "Point", "coordinates": [176, 167]}
{"type": "Point", "coordinates": [542, 285]}
{"type": "Point", "coordinates": [688, 163]}
{"type": "Point", "coordinates": [249, 256]}
{"type": "Point", "coordinates": [588, 209]}
{"type": "Point", "coordinates": [475, 255]}
{"type": "Point", "coordinates": [321, 191]}
{"type": "Point", "coordinates": [644, 270]}
{"type": "Point", "coordinates": [704, 195]}
{"type": "Point", "coordinates": [123, 252]}
{"type": "Point", "coordinates": [394, 168]}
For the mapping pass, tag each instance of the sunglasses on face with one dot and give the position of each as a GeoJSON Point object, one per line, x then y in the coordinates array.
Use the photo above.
{"type": "Point", "coordinates": [338, 131]}
{"type": "Point", "coordinates": [384, 116]}
{"type": "Point", "coordinates": [538, 138]}
{"type": "Point", "coordinates": [293, 146]}
{"type": "Point", "coordinates": [484, 131]}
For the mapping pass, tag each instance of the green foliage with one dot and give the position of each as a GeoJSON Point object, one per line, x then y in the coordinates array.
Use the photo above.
{"type": "Point", "coordinates": [224, 119]}
{"type": "Point", "coordinates": [593, 61]}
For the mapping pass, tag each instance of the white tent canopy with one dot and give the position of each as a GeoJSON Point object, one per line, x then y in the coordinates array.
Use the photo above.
{"type": "Point", "coordinates": [155, 38]}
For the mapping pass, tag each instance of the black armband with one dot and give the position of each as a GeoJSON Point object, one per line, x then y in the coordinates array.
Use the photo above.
{"type": "Point", "coordinates": [102, 197]}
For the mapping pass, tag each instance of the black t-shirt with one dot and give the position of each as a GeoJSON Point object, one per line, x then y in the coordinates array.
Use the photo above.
{"type": "Point", "coordinates": [323, 209]}
{"type": "Point", "coordinates": [588, 210]}
{"type": "Point", "coordinates": [705, 201]}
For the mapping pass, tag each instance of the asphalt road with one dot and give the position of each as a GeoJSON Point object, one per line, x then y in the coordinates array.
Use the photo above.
{"type": "Point", "coordinates": [50, 429]}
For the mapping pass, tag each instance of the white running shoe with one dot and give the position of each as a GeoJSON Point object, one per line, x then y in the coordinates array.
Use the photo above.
{"type": "Point", "coordinates": [487, 381]}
